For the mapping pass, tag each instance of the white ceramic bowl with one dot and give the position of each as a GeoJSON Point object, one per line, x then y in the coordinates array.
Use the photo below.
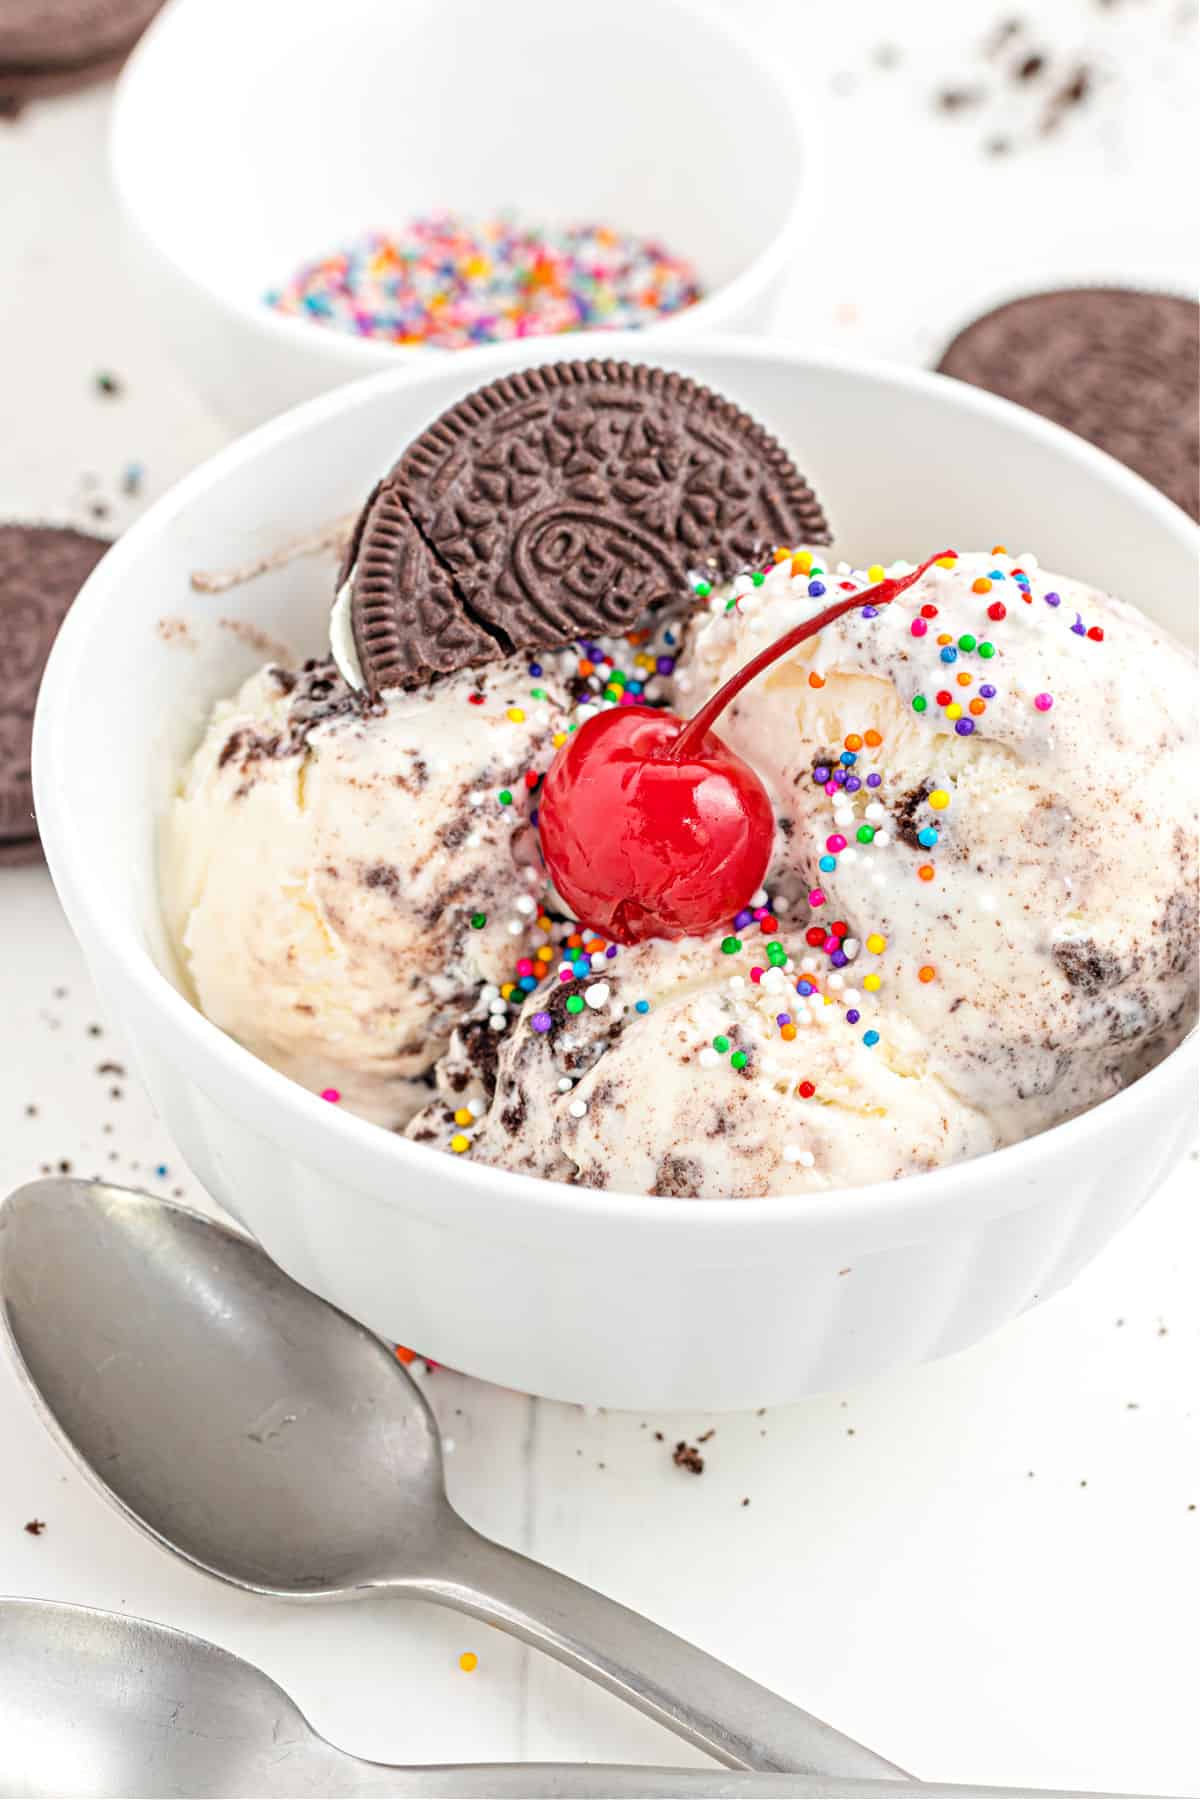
{"type": "Point", "coordinates": [579, 1294]}
{"type": "Point", "coordinates": [248, 139]}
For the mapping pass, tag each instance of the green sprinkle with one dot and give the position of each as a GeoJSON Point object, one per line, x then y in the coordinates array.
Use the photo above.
{"type": "Point", "coordinates": [478, 921]}
{"type": "Point", "coordinates": [537, 693]}
{"type": "Point", "coordinates": [966, 641]}
{"type": "Point", "coordinates": [721, 1044]}
{"type": "Point", "coordinates": [986, 649]}
{"type": "Point", "coordinates": [574, 726]}
{"type": "Point", "coordinates": [776, 952]}
{"type": "Point", "coordinates": [757, 578]}
{"type": "Point", "coordinates": [738, 1060]}
{"type": "Point", "coordinates": [729, 605]}
{"type": "Point", "coordinates": [731, 945]}
{"type": "Point", "coordinates": [575, 1003]}
{"type": "Point", "coordinates": [505, 796]}
{"type": "Point", "coordinates": [703, 589]}
{"type": "Point", "coordinates": [612, 693]}
{"type": "Point", "coordinates": [618, 678]}
{"type": "Point", "coordinates": [865, 834]}
{"type": "Point", "coordinates": [919, 703]}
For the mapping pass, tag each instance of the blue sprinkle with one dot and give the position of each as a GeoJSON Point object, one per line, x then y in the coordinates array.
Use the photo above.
{"type": "Point", "coordinates": [995, 574]}
{"type": "Point", "coordinates": [853, 1016]}
{"type": "Point", "coordinates": [870, 1039]}
{"type": "Point", "coordinates": [827, 864]}
{"type": "Point", "coordinates": [535, 668]}
{"type": "Point", "coordinates": [160, 1169]}
{"type": "Point", "coordinates": [669, 637]}
{"type": "Point", "coordinates": [987, 691]}
{"type": "Point", "coordinates": [805, 988]}
{"type": "Point", "coordinates": [642, 1006]}
{"type": "Point", "coordinates": [1052, 599]}
{"type": "Point", "coordinates": [816, 589]}
{"type": "Point", "coordinates": [928, 837]}
{"type": "Point", "coordinates": [533, 817]}
{"type": "Point", "coordinates": [528, 982]}
{"type": "Point", "coordinates": [582, 967]}
{"type": "Point", "coordinates": [848, 759]}
{"type": "Point", "coordinates": [949, 654]}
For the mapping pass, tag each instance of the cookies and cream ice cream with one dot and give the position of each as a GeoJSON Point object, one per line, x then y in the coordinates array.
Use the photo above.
{"type": "Point", "coordinates": [980, 916]}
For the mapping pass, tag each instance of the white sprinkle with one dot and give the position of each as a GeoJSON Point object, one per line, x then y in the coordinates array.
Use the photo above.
{"type": "Point", "coordinates": [577, 1108]}
{"type": "Point", "coordinates": [515, 928]}
{"type": "Point", "coordinates": [882, 840]}
{"type": "Point", "coordinates": [565, 1084]}
{"type": "Point", "coordinates": [497, 1021]}
{"type": "Point", "coordinates": [807, 1159]}
{"type": "Point", "coordinates": [476, 1108]}
{"type": "Point", "coordinates": [835, 981]}
{"type": "Point", "coordinates": [708, 1057]}
{"type": "Point", "coordinates": [844, 815]}
{"type": "Point", "coordinates": [808, 965]}
{"type": "Point", "coordinates": [850, 947]}
{"type": "Point", "coordinates": [848, 855]}
{"type": "Point", "coordinates": [759, 897]}
{"type": "Point", "coordinates": [782, 905]}
{"type": "Point", "coordinates": [987, 902]}
{"type": "Point", "coordinates": [792, 1153]}
{"type": "Point", "coordinates": [773, 977]}
{"type": "Point", "coordinates": [597, 995]}
{"type": "Point", "coordinates": [489, 993]}
{"type": "Point", "coordinates": [876, 811]}
{"type": "Point", "coordinates": [526, 905]}
{"type": "Point", "coordinates": [1027, 560]}
{"type": "Point", "coordinates": [737, 981]}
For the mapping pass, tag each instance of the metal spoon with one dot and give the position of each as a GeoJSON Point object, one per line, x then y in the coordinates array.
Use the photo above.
{"type": "Point", "coordinates": [275, 1443]}
{"type": "Point", "coordinates": [98, 1705]}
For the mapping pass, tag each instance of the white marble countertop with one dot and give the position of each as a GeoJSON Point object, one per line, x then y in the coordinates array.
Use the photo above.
{"type": "Point", "coordinates": [987, 1569]}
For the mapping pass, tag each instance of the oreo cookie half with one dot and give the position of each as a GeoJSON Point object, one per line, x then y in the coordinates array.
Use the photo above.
{"type": "Point", "coordinates": [1119, 368]}
{"type": "Point", "coordinates": [42, 568]}
{"type": "Point", "coordinates": [52, 46]}
{"type": "Point", "coordinates": [566, 501]}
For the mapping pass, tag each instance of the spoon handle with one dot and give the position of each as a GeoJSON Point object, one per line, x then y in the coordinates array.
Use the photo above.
{"type": "Point", "coordinates": [597, 1781]}
{"type": "Point", "coordinates": [743, 1725]}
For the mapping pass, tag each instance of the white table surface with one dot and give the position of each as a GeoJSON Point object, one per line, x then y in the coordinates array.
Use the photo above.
{"type": "Point", "coordinates": [989, 1568]}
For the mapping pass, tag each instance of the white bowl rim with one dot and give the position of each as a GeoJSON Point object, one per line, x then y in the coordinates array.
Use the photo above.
{"type": "Point", "coordinates": [709, 314]}
{"type": "Point", "coordinates": [916, 1197]}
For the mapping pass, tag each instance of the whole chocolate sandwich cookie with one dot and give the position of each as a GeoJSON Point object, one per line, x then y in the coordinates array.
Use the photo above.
{"type": "Point", "coordinates": [1119, 368]}
{"type": "Point", "coordinates": [42, 568]}
{"type": "Point", "coordinates": [568, 500]}
{"type": "Point", "coordinates": [52, 46]}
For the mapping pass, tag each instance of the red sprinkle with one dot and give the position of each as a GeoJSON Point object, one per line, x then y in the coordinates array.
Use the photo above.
{"type": "Point", "coordinates": [944, 697]}
{"type": "Point", "coordinates": [839, 928]}
{"type": "Point", "coordinates": [814, 935]}
{"type": "Point", "coordinates": [929, 612]}
{"type": "Point", "coordinates": [475, 699]}
{"type": "Point", "coordinates": [997, 610]}
{"type": "Point", "coordinates": [1096, 633]}
{"type": "Point", "coordinates": [767, 923]}
{"type": "Point", "coordinates": [806, 1090]}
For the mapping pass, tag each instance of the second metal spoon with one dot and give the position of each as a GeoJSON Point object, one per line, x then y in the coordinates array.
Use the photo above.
{"type": "Point", "coordinates": [272, 1441]}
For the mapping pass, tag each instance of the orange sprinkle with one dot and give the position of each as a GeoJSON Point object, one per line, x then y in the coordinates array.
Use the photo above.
{"type": "Point", "coordinates": [926, 871]}
{"type": "Point", "coordinates": [945, 638]}
{"type": "Point", "coordinates": [927, 973]}
{"type": "Point", "coordinates": [788, 1032]}
{"type": "Point", "coordinates": [982, 585]}
{"type": "Point", "coordinates": [405, 1356]}
{"type": "Point", "coordinates": [999, 549]}
{"type": "Point", "coordinates": [963, 679]}
{"type": "Point", "coordinates": [574, 942]}
{"type": "Point", "coordinates": [468, 1662]}
{"type": "Point", "coordinates": [782, 555]}
{"type": "Point", "coordinates": [815, 680]}
{"type": "Point", "coordinates": [593, 945]}
{"type": "Point", "coordinates": [854, 742]}
{"type": "Point", "coordinates": [586, 667]}
{"type": "Point", "coordinates": [874, 738]}
{"type": "Point", "coordinates": [977, 707]}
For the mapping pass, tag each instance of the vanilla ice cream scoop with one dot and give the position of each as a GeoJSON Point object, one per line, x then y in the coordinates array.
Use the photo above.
{"type": "Point", "coordinates": [339, 879]}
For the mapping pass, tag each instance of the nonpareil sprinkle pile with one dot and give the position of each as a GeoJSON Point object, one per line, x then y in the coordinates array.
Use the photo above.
{"type": "Point", "coordinates": [451, 282]}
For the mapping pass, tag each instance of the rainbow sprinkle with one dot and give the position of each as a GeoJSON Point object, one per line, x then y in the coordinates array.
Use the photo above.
{"type": "Point", "coordinates": [449, 282]}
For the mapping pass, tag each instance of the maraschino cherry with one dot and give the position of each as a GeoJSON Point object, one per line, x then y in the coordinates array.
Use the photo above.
{"type": "Point", "coordinates": [652, 826]}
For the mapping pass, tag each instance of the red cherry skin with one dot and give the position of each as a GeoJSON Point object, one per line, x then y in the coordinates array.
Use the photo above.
{"type": "Point", "coordinates": [641, 844]}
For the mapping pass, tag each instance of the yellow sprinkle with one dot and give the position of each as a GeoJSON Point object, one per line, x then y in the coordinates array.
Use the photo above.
{"type": "Point", "coordinates": [544, 954]}
{"type": "Point", "coordinates": [468, 1661]}
{"type": "Point", "coordinates": [876, 572]}
{"type": "Point", "coordinates": [462, 1116]}
{"type": "Point", "coordinates": [802, 562]}
{"type": "Point", "coordinates": [876, 944]}
{"type": "Point", "coordinates": [872, 982]}
{"type": "Point", "coordinates": [559, 739]}
{"type": "Point", "coordinates": [953, 711]}
{"type": "Point", "coordinates": [516, 715]}
{"type": "Point", "coordinates": [643, 661]}
{"type": "Point", "coordinates": [508, 989]}
{"type": "Point", "coordinates": [459, 1143]}
{"type": "Point", "coordinates": [946, 562]}
{"type": "Point", "coordinates": [782, 555]}
{"type": "Point", "coordinates": [939, 799]}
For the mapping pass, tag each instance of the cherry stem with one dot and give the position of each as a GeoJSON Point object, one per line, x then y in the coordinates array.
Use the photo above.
{"type": "Point", "coordinates": [692, 736]}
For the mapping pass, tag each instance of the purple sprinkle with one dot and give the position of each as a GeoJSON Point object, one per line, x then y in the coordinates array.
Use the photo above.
{"type": "Point", "coordinates": [783, 1018]}
{"type": "Point", "coordinates": [852, 784]}
{"type": "Point", "coordinates": [839, 959]}
{"type": "Point", "coordinates": [964, 727]}
{"type": "Point", "coordinates": [1052, 599]}
{"type": "Point", "coordinates": [541, 1021]}
{"type": "Point", "coordinates": [870, 612]}
{"type": "Point", "coordinates": [821, 773]}
{"type": "Point", "coordinates": [987, 691]}
{"type": "Point", "coordinates": [1079, 628]}
{"type": "Point", "coordinates": [611, 951]}
{"type": "Point", "coordinates": [742, 919]}
{"type": "Point", "coordinates": [665, 665]}
{"type": "Point", "coordinates": [839, 776]}
{"type": "Point", "coordinates": [533, 817]}
{"type": "Point", "coordinates": [874, 780]}
{"type": "Point", "coordinates": [853, 1016]}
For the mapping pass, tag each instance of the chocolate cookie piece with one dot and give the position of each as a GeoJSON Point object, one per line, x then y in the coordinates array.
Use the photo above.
{"type": "Point", "coordinates": [42, 568]}
{"type": "Point", "coordinates": [565, 501]}
{"type": "Point", "coordinates": [1119, 368]}
{"type": "Point", "coordinates": [52, 46]}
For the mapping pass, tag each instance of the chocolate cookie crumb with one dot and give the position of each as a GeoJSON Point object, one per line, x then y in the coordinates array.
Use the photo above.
{"type": "Point", "coordinates": [686, 1456]}
{"type": "Point", "coordinates": [35, 1527]}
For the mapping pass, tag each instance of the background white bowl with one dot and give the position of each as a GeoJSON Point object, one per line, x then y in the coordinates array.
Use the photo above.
{"type": "Point", "coordinates": [570, 1292]}
{"type": "Point", "coordinates": [248, 139]}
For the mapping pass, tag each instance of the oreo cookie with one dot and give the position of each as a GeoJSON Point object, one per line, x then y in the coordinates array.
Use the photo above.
{"type": "Point", "coordinates": [566, 501]}
{"type": "Point", "coordinates": [1118, 367]}
{"type": "Point", "coordinates": [52, 46]}
{"type": "Point", "coordinates": [42, 568]}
